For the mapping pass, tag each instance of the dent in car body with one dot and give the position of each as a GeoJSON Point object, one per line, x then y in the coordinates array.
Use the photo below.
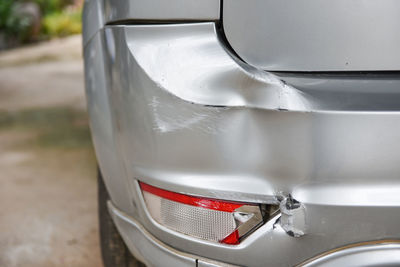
{"type": "Point", "coordinates": [247, 150]}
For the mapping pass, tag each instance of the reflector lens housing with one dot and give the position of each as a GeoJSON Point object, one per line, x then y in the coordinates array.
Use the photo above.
{"type": "Point", "coordinates": [205, 218]}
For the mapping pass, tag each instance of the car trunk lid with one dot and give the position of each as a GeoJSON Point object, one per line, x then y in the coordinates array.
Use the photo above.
{"type": "Point", "coordinates": [315, 35]}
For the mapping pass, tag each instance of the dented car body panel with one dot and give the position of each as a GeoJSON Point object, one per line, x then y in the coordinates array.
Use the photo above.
{"type": "Point", "coordinates": [171, 105]}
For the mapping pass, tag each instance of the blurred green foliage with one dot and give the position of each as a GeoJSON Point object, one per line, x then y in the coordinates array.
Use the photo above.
{"type": "Point", "coordinates": [12, 24]}
{"type": "Point", "coordinates": [57, 18]}
{"type": "Point", "coordinates": [50, 6]}
{"type": "Point", "coordinates": [62, 23]}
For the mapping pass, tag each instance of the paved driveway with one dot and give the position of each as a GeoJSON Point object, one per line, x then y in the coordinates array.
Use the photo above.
{"type": "Point", "coordinates": [48, 210]}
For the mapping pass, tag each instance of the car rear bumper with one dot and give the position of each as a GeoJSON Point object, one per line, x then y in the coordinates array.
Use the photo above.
{"type": "Point", "coordinates": [155, 253]}
{"type": "Point", "coordinates": [170, 106]}
{"type": "Point", "coordinates": [152, 251]}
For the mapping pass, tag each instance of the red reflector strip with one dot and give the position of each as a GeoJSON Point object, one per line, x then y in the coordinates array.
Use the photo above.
{"type": "Point", "coordinates": [232, 239]}
{"type": "Point", "coordinates": [206, 203]}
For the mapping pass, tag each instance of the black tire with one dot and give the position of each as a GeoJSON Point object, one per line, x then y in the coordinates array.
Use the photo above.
{"type": "Point", "coordinates": [113, 249]}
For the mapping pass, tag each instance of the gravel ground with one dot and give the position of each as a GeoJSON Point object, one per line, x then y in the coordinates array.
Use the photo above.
{"type": "Point", "coordinates": [48, 209]}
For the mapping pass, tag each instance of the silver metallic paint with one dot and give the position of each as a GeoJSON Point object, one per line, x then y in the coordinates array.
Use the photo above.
{"type": "Point", "coordinates": [147, 122]}
{"type": "Point", "coordinates": [92, 19]}
{"type": "Point", "coordinates": [363, 255]}
{"type": "Point", "coordinates": [261, 152]}
{"type": "Point", "coordinates": [102, 124]}
{"type": "Point", "coordinates": [145, 247]}
{"type": "Point", "coordinates": [366, 92]}
{"type": "Point", "coordinates": [150, 250]}
{"type": "Point", "coordinates": [153, 10]}
{"type": "Point", "coordinates": [315, 35]}
{"type": "Point", "coordinates": [240, 85]}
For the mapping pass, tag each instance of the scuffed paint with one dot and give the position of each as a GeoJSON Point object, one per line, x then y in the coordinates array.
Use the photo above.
{"type": "Point", "coordinates": [166, 117]}
{"type": "Point", "coordinates": [165, 124]}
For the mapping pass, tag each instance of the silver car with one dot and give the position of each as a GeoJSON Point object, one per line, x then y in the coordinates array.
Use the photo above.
{"type": "Point", "coordinates": [246, 132]}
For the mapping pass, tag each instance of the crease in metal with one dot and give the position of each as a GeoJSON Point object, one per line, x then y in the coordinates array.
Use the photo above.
{"type": "Point", "coordinates": [205, 73]}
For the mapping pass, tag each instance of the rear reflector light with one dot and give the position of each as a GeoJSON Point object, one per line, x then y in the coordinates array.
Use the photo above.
{"type": "Point", "coordinates": [205, 218]}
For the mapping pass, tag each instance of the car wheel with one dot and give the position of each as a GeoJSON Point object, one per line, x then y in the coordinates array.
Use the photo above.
{"type": "Point", "coordinates": [113, 249]}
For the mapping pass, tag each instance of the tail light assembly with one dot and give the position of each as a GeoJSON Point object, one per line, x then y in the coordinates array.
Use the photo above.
{"type": "Point", "coordinates": [222, 221]}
